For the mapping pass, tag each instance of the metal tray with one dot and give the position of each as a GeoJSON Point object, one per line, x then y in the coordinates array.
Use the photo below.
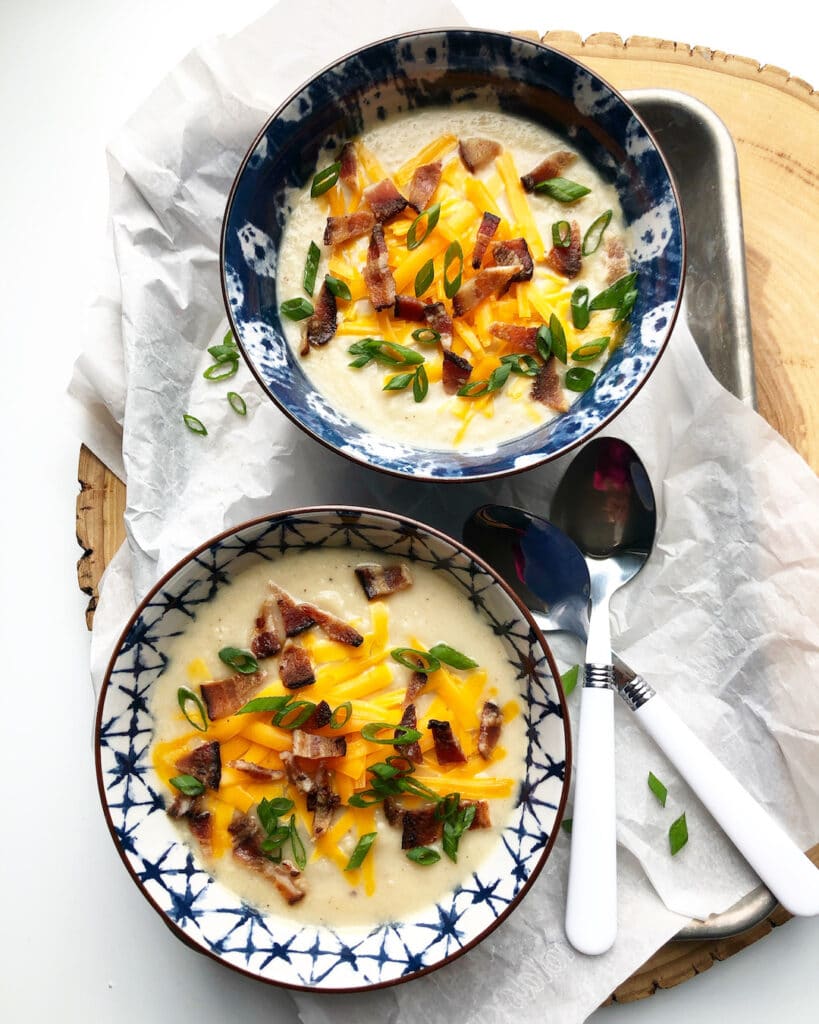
{"type": "Point", "coordinates": [703, 162]}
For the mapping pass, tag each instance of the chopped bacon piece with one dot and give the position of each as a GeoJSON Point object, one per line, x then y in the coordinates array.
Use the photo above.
{"type": "Point", "coordinates": [438, 319]}
{"type": "Point", "coordinates": [223, 697]}
{"type": "Point", "coordinates": [350, 226]}
{"type": "Point", "coordinates": [425, 180]}
{"type": "Point", "coordinates": [199, 820]}
{"type": "Point", "coordinates": [348, 172]}
{"type": "Point", "coordinates": [385, 200]}
{"type": "Point", "coordinates": [295, 668]}
{"type": "Point", "coordinates": [336, 629]}
{"type": "Point", "coordinates": [447, 748]}
{"type": "Point", "coordinates": [566, 259]}
{"type": "Point", "coordinates": [322, 801]}
{"type": "Point", "coordinates": [296, 775]}
{"type": "Point", "coordinates": [477, 153]}
{"type": "Point", "coordinates": [296, 618]}
{"type": "Point", "coordinates": [491, 722]}
{"type": "Point", "coordinates": [412, 751]}
{"type": "Point", "coordinates": [322, 325]}
{"type": "Point", "coordinates": [488, 227]}
{"type": "Point", "coordinates": [417, 682]}
{"type": "Point", "coordinates": [247, 848]}
{"type": "Point", "coordinates": [392, 811]}
{"type": "Point", "coordinates": [514, 251]}
{"type": "Point", "coordinates": [616, 259]}
{"type": "Point", "coordinates": [265, 639]}
{"type": "Point", "coordinates": [383, 580]}
{"type": "Point", "coordinates": [456, 371]}
{"type": "Point", "coordinates": [256, 771]}
{"type": "Point", "coordinates": [420, 828]}
{"type": "Point", "coordinates": [482, 818]}
{"type": "Point", "coordinates": [523, 338]}
{"type": "Point", "coordinates": [546, 387]}
{"type": "Point", "coordinates": [407, 307]}
{"type": "Point", "coordinates": [377, 274]}
{"type": "Point", "coordinates": [321, 716]}
{"type": "Point", "coordinates": [203, 763]}
{"type": "Point", "coordinates": [315, 748]}
{"type": "Point", "coordinates": [491, 281]}
{"type": "Point", "coordinates": [552, 167]}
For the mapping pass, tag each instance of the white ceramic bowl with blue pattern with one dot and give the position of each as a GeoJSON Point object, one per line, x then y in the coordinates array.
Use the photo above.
{"type": "Point", "coordinates": [213, 919]}
{"type": "Point", "coordinates": [442, 68]}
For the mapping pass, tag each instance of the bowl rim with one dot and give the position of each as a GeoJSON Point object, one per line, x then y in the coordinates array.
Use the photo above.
{"type": "Point", "coordinates": [398, 519]}
{"type": "Point", "coordinates": [541, 459]}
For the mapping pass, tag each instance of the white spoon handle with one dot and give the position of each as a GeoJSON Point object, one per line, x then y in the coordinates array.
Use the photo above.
{"type": "Point", "coordinates": [778, 861]}
{"type": "Point", "coordinates": [591, 902]}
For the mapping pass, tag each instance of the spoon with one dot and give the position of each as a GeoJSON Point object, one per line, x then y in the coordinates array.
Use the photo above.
{"type": "Point", "coordinates": [548, 572]}
{"type": "Point", "coordinates": [612, 520]}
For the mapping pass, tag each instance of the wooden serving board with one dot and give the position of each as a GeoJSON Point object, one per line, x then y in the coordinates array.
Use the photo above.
{"type": "Point", "coordinates": [774, 121]}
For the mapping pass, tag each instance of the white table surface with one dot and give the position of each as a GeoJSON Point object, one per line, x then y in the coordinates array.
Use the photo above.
{"type": "Point", "coordinates": [78, 939]}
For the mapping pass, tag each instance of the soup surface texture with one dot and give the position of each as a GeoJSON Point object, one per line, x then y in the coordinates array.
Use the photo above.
{"type": "Point", "coordinates": [514, 260]}
{"type": "Point", "coordinates": [291, 806]}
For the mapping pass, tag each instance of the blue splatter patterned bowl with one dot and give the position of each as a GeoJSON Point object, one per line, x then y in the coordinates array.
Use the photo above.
{"type": "Point", "coordinates": [442, 68]}
{"type": "Point", "coordinates": [267, 945]}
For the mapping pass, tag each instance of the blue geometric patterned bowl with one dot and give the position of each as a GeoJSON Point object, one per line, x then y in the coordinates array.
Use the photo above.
{"type": "Point", "coordinates": [442, 68]}
{"type": "Point", "coordinates": [269, 946]}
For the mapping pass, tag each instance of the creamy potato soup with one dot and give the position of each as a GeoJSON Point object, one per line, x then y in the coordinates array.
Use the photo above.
{"type": "Point", "coordinates": [454, 278]}
{"type": "Point", "coordinates": [340, 735]}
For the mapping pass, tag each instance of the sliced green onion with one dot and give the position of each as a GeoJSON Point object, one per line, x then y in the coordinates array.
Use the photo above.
{"type": "Point", "coordinates": [613, 296]}
{"type": "Point", "coordinates": [194, 425]}
{"type": "Point", "coordinates": [569, 679]}
{"type": "Point", "coordinates": [423, 855]}
{"type": "Point", "coordinates": [424, 278]}
{"type": "Point", "coordinates": [579, 378]}
{"type": "Point", "coordinates": [361, 850]}
{"type": "Point", "coordinates": [185, 696]}
{"type": "Point", "coordinates": [623, 311]}
{"type": "Point", "coordinates": [580, 307]}
{"type": "Point", "coordinates": [420, 384]}
{"type": "Point", "coordinates": [473, 389]}
{"type": "Point", "coordinates": [224, 353]}
{"type": "Point", "coordinates": [558, 338]}
{"type": "Point", "coordinates": [263, 704]}
{"type": "Point", "coordinates": [416, 788]}
{"type": "Point", "coordinates": [594, 235]}
{"type": "Point", "coordinates": [522, 363]}
{"type": "Point", "coordinates": [402, 734]}
{"type": "Point", "coordinates": [239, 659]}
{"type": "Point", "coordinates": [228, 338]}
{"type": "Point", "coordinates": [311, 268]}
{"type": "Point", "coordinates": [431, 215]}
{"type": "Point", "coordinates": [270, 811]}
{"type": "Point", "coordinates": [677, 834]}
{"type": "Point", "coordinates": [449, 656]}
{"type": "Point", "coordinates": [389, 352]}
{"type": "Point", "coordinates": [426, 336]}
{"type": "Point", "coordinates": [498, 377]}
{"type": "Point", "coordinates": [543, 342]}
{"type": "Point", "coordinates": [297, 309]}
{"type": "Point", "coordinates": [299, 854]}
{"type": "Point", "coordinates": [399, 382]}
{"type": "Point", "coordinates": [657, 788]}
{"type": "Point", "coordinates": [237, 403]}
{"type": "Point", "coordinates": [458, 823]}
{"type": "Point", "coordinates": [452, 284]}
{"type": "Point", "coordinates": [566, 825]}
{"type": "Point", "coordinates": [336, 720]}
{"type": "Point", "coordinates": [338, 288]}
{"type": "Point", "coordinates": [418, 661]}
{"type": "Point", "coordinates": [303, 710]}
{"type": "Point", "coordinates": [400, 764]}
{"type": "Point", "coordinates": [448, 806]}
{"type": "Point", "coordinates": [562, 234]}
{"type": "Point", "coordinates": [222, 371]}
{"type": "Point", "coordinates": [562, 189]}
{"type": "Point", "coordinates": [368, 798]}
{"type": "Point", "coordinates": [325, 179]}
{"type": "Point", "coordinates": [591, 350]}
{"type": "Point", "coordinates": [188, 785]}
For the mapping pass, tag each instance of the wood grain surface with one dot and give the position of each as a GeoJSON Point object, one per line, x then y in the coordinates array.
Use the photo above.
{"type": "Point", "coordinates": [774, 121]}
